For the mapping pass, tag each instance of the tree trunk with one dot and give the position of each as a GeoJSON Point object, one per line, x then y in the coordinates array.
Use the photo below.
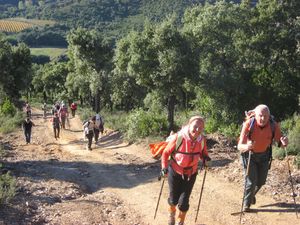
{"type": "Point", "coordinates": [171, 109]}
{"type": "Point", "coordinates": [81, 99]}
{"type": "Point", "coordinates": [44, 96]}
{"type": "Point", "coordinates": [97, 101]}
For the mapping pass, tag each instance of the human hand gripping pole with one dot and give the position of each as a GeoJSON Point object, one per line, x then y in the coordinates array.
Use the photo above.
{"type": "Point", "coordinates": [163, 174]}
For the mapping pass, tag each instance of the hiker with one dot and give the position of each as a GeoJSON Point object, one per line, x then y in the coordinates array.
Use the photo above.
{"type": "Point", "coordinates": [182, 168]}
{"type": "Point", "coordinates": [26, 126]}
{"type": "Point", "coordinates": [28, 110]}
{"type": "Point", "coordinates": [88, 127]}
{"type": "Point", "coordinates": [63, 115]}
{"type": "Point", "coordinates": [257, 136]}
{"type": "Point", "coordinates": [57, 106]}
{"type": "Point", "coordinates": [56, 125]}
{"type": "Point", "coordinates": [44, 108]}
{"type": "Point", "coordinates": [73, 108]}
{"type": "Point", "coordinates": [99, 128]}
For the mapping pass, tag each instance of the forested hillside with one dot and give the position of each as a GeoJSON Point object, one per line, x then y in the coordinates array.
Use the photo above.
{"type": "Point", "coordinates": [114, 18]}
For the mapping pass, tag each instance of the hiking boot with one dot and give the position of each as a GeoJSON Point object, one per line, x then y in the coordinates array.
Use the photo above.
{"type": "Point", "coordinates": [171, 220]}
{"type": "Point", "coordinates": [181, 217]}
{"type": "Point", "coordinates": [253, 201]}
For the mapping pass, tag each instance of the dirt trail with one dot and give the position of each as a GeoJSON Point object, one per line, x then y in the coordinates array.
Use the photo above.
{"type": "Point", "coordinates": [63, 183]}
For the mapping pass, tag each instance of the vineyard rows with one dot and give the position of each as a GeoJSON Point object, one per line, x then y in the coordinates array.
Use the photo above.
{"type": "Point", "coordinates": [13, 26]}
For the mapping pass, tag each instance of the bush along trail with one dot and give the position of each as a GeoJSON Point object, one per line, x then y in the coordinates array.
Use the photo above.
{"type": "Point", "coordinates": [60, 182]}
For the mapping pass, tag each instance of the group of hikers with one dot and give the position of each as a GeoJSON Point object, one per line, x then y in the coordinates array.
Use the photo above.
{"type": "Point", "coordinates": [92, 127]}
{"type": "Point", "coordinates": [184, 149]}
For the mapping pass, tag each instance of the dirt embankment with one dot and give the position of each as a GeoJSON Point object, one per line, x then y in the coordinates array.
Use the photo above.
{"type": "Point", "coordinates": [59, 182]}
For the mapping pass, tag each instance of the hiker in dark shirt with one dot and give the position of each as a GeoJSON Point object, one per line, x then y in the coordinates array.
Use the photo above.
{"type": "Point", "coordinates": [56, 125]}
{"type": "Point", "coordinates": [26, 126]}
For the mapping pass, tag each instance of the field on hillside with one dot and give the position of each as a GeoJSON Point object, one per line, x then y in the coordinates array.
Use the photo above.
{"type": "Point", "coordinates": [14, 25]}
{"type": "Point", "coordinates": [51, 52]}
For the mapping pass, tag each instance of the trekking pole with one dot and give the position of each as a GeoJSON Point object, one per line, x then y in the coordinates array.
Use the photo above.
{"type": "Point", "coordinates": [291, 181]}
{"type": "Point", "coordinates": [246, 176]}
{"type": "Point", "coordinates": [161, 188]}
{"type": "Point", "coordinates": [200, 197]}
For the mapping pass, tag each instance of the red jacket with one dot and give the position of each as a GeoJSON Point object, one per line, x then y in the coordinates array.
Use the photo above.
{"type": "Point", "coordinates": [74, 106]}
{"type": "Point", "coordinates": [194, 151]}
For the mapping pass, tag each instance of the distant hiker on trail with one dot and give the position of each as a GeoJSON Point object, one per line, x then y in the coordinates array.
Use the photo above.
{"type": "Point", "coordinates": [182, 168]}
{"type": "Point", "coordinates": [88, 127]}
{"type": "Point", "coordinates": [28, 110]}
{"type": "Point", "coordinates": [57, 106]}
{"type": "Point", "coordinates": [27, 126]}
{"type": "Point", "coordinates": [99, 128]}
{"type": "Point", "coordinates": [63, 115]}
{"type": "Point", "coordinates": [73, 108]}
{"type": "Point", "coordinates": [56, 125]}
{"type": "Point", "coordinates": [255, 141]}
{"type": "Point", "coordinates": [44, 108]}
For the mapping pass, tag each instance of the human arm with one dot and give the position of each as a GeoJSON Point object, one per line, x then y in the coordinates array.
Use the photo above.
{"type": "Point", "coordinates": [244, 143]}
{"type": "Point", "coordinates": [204, 155]}
{"type": "Point", "coordinates": [279, 138]}
{"type": "Point", "coordinates": [166, 154]}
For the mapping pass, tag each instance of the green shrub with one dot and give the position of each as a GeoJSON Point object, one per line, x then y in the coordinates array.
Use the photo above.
{"type": "Point", "coordinates": [231, 130]}
{"type": "Point", "coordinates": [211, 125]}
{"type": "Point", "coordinates": [115, 120]}
{"type": "Point", "coordinates": [85, 113]}
{"type": "Point", "coordinates": [10, 123]}
{"type": "Point", "coordinates": [278, 153]}
{"type": "Point", "coordinates": [7, 108]}
{"type": "Point", "coordinates": [7, 188]}
{"type": "Point", "coordinates": [290, 126]}
{"type": "Point", "coordinates": [153, 102]}
{"type": "Point", "coordinates": [141, 124]}
{"type": "Point", "coordinates": [294, 139]}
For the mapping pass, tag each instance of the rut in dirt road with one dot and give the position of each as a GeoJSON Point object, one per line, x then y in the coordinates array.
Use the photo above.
{"type": "Point", "coordinates": [62, 183]}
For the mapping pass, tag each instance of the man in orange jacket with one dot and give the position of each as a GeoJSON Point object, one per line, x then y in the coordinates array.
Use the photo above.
{"type": "Point", "coordinates": [257, 136]}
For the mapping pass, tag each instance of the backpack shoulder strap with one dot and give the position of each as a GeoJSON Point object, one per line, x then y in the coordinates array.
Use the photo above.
{"type": "Point", "coordinates": [272, 124]}
{"type": "Point", "coordinates": [178, 142]}
{"type": "Point", "coordinates": [251, 127]}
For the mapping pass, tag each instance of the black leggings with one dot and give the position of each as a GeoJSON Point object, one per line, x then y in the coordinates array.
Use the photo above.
{"type": "Point", "coordinates": [180, 189]}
